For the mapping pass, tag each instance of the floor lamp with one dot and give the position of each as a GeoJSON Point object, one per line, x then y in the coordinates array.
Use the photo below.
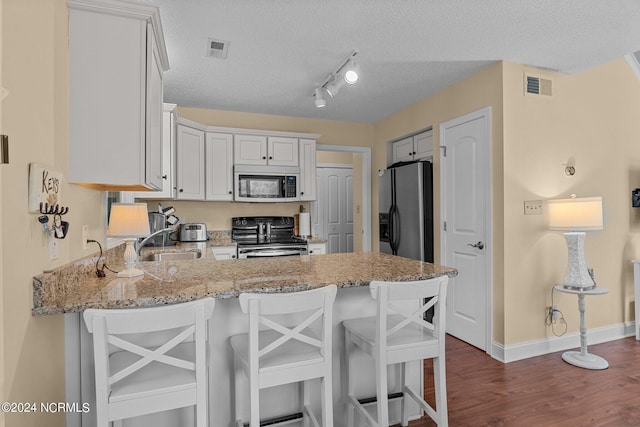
{"type": "Point", "coordinates": [575, 216]}
{"type": "Point", "coordinates": [129, 221]}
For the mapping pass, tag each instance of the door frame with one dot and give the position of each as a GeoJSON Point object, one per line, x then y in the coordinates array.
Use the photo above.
{"type": "Point", "coordinates": [366, 186]}
{"type": "Point", "coordinates": [485, 113]}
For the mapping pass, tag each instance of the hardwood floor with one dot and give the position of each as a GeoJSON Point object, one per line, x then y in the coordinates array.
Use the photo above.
{"type": "Point", "coordinates": [540, 391]}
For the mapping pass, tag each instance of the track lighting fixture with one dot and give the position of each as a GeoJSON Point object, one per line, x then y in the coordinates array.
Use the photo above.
{"type": "Point", "coordinates": [347, 72]}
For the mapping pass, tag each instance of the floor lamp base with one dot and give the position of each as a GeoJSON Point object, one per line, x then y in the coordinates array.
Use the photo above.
{"type": "Point", "coordinates": [587, 360]}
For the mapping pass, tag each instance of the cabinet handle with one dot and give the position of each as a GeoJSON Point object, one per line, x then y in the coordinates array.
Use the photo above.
{"type": "Point", "coordinates": [270, 157]}
{"type": "Point", "coordinates": [181, 190]}
{"type": "Point", "coordinates": [233, 256]}
{"type": "Point", "coordinates": [264, 157]}
{"type": "Point", "coordinates": [302, 193]}
{"type": "Point", "coordinates": [230, 192]}
{"type": "Point", "coordinates": [164, 176]}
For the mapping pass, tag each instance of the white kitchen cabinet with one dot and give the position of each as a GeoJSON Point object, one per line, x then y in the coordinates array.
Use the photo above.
{"type": "Point", "coordinates": [219, 166]}
{"type": "Point", "coordinates": [307, 169]}
{"type": "Point", "coordinates": [317, 248]}
{"type": "Point", "coordinates": [250, 150]}
{"type": "Point", "coordinates": [190, 163]}
{"type": "Point", "coordinates": [415, 147]}
{"type": "Point", "coordinates": [168, 190]}
{"type": "Point", "coordinates": [117, 58]}
{"type": "Point", "coordinates": [263, 150]}
{"type": "Point", "coordinates": [224, 252]}
{"type": "Point", "coordinates": [282, 151]}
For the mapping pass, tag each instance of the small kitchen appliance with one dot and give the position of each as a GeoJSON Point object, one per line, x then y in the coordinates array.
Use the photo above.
{"type": "Point", "coordinates": [193, 232]}
{"type": "Point", "coordinates": [266, 236]}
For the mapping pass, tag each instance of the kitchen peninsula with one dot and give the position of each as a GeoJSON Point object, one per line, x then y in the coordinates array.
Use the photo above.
{"type": "Point", "coordinates": [73, 288]}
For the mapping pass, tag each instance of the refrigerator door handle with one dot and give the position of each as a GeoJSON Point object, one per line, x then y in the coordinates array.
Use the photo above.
{"type": "Point", "coordinates": [395, 227]}
{"type": "Point", "coordinates": [391, 239]}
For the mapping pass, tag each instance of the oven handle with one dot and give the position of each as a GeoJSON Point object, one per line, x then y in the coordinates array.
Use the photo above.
{"type": "Point", "coordinates": [258, 254]}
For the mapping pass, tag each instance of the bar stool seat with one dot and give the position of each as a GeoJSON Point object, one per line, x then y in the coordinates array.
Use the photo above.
{"type": "Point", "coordinates": [396, 336]}
{"type": "Point", "coordinates": [274, 353]}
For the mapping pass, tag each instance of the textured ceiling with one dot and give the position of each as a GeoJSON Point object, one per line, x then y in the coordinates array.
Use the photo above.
{"type": "Point", "coordinates": [280, 50]}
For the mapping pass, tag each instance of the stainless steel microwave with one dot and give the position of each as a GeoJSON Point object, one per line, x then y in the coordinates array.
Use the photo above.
{"type": "Point", "coordinates": [266, 183]}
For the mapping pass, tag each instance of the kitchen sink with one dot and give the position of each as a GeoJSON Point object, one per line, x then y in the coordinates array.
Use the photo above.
{"type": "Point", "coordinates": [172, 256]}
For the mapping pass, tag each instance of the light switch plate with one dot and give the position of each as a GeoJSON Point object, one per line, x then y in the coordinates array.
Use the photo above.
{"type": "Point", "coordinates": [533, 207]}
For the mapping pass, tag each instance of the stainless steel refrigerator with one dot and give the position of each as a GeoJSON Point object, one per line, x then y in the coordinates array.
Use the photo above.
{"type": "Point", "coordinates": [405, 206]}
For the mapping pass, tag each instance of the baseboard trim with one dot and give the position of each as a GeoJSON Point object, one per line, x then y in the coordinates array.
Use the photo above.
{"type": "Point", "coordinates": [524, 350]}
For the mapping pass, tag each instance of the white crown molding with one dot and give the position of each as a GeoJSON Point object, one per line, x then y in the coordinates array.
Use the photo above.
{"type": "Point", "coordinates": [242, 131]}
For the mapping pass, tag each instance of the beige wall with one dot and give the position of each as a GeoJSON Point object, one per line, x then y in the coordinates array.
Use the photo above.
{"type": "Point", "coordinates": [592, 117]}
{"type": "Point", "coordinates": [473, 93]}
{"type": "Point", "coordinates": [34, 115]}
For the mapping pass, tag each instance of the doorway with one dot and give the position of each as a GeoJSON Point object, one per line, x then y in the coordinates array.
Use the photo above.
{"type": "Point", "coordinates": [465, 177]}
{"type": "Point", "coordinates": [334, 207]}
{"type": "Point", "coordinates": [362, 199]}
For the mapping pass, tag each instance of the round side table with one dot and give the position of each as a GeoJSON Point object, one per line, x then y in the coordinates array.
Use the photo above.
{"type": "Point", "coordinates": [583, 358]}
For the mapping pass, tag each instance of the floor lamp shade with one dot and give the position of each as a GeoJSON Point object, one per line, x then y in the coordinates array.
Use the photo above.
{"type": "Point", "coordinates": [575, 216]}
{"type": "Point", "coordinates": [129, 221]}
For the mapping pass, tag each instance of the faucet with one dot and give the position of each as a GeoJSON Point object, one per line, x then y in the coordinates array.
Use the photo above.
{"type": "Point", "coordinates": [144, 241]}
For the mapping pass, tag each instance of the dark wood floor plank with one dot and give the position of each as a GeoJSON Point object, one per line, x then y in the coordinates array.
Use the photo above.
{"type": "Point", "coordinates": [540, 391]}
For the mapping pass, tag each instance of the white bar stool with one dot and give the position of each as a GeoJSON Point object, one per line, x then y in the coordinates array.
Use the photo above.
{"type": "Point", "coordinates": [280, 354]}
{"type": "Point", "coordinates": [394, 336]}
{"type": "Point", "coordinates": [150, 360]}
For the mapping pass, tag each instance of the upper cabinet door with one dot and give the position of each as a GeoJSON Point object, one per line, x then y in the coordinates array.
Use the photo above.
{"type": "Point", "coordinates": [307, 169]}
{"type": "Point", "coordinates": [423, 145]}
{"type": "Point", "coordinates": [116, 61]}
{"type": "Point", "coordinates": [403, 150]}
{"type": "Point", "coordinates": [250, 150]}
{"type": "Point", "coordinates": [190, 163]}
{"type": "Point", "coordinates": [153, 140]}
{"type": "Point", "coordinates": [282, 151]}
{"type": "Point", "coordinates": [219, 166]}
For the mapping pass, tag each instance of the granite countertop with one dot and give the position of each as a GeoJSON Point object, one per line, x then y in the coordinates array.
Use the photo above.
{"type": "Point", "coordinates": [75, 287]}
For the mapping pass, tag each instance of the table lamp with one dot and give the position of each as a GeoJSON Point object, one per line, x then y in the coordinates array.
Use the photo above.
{"type": "Point", "coordinates": [575, 216]}
{"type": "Point", "coordinates": [129, 221]}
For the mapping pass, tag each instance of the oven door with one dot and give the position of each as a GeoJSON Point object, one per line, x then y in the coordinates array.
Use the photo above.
{"type": "Point", "coordinates": [271, 251]}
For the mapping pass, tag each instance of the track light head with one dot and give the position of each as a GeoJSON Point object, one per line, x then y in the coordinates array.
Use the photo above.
{"type": "Point", "coordinates": [351, 72]}
{"type": "Point", "coordinates": [334, 85]}
{"type": "Point", "coordinates": [320, 101]}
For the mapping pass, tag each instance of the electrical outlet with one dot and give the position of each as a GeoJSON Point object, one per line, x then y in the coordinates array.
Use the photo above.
{"type": "Point", "coordinates": [85, 236]}
{"type": "Point", "coordinates": [533, 207]}
{"type": "Point", "coordinates": [554, 313]}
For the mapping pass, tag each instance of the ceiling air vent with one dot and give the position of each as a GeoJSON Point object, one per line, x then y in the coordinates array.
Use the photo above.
{"type": "Point", "coordinates": [217, 48]}
{"type": "Point", "coordinates": [537, 86]}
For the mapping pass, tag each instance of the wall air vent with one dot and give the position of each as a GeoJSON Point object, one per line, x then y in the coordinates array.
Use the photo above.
{"type": "Point", "coordinates": [217, 48]}
{"type": "Point", "coordinates": [537, 86]}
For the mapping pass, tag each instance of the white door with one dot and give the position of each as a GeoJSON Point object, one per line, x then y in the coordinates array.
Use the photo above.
{"type": "Point", "coordinates": [466, 213]}
{"type": "Point", "coordinates": [333, 210]}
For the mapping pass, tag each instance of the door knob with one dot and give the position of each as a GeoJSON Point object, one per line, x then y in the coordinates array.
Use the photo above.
{"type": "Point", "coordinates": [478, 245]}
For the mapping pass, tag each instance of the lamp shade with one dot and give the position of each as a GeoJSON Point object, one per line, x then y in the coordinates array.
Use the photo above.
{"type": "Point", "coordinates": [575, 214]}
{"type": "Point", "coordinates": [128, 220]}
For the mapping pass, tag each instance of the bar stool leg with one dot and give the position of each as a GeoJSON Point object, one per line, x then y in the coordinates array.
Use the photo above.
{"type": "Point", "coordinates": [351, 388]}
{"type": "Point", "coordinates": [441, 390]}
{"type": "Point", "coordinates": [404, 413]}
{"type": "Point", "coordinates": [381, 391]}
{"type": "Point", "coordinates": [306, 402]}
{"type": "Point", "coordinates": [327, 401]}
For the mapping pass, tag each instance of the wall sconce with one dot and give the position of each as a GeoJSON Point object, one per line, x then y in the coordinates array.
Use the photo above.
{"type": "Point", "coordinates": [347, 72]}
